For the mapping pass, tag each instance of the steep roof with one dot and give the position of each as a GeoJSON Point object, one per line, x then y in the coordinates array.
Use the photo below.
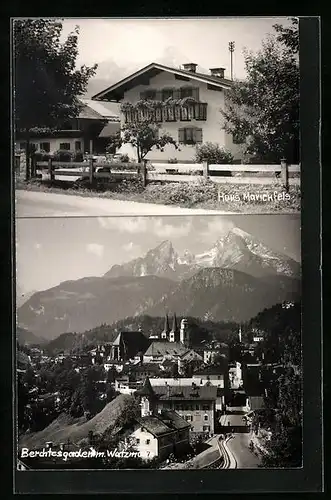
{"type": "Point", "coordinates": [115, 92]}
{"type": "Point", "coordinates": [110, 129]}
{"type": "Point", "coordinates": [147, 389]}
{"type": "Point", "coordinates": [166, 349]}
{"type": "Point", "coordinates": [174, 420]}
{"type": "Point", "coordinates": [132, 342]}
{"type": "Point", "coordinates": [107, 110]}
{"type": "Point", "coordinates": [88, 113]}
{"type": "Point", "coordinates": [191, 354]}
{"type": "Point", "coordinates": [154, 425]}
{"type": "Point", "coordinates": [165, 392]}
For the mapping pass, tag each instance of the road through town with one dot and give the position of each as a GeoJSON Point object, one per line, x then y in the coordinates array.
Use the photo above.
{"type": "Point", "coordinates": [39, 204]}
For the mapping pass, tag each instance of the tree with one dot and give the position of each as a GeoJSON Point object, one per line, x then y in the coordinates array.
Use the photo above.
{"type": "Point", "coordinates": [263, 110]}
{"type": "Point", "coordinates": [142, 132]}
{"type": "Point", "coordinates": [47, 82]}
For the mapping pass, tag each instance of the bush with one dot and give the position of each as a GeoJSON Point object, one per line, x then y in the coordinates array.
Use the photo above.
{"type": "Point", "coordinates": [213, 154]}
{"type": "Point", "coordinates": [78, 156]}
{"type": "Point", "coordinates": [63, 155]}
{"type": "Point", "coordinates": [183, 193]}
{"type": "Point", "coordinates": [124, 158]}
{"type": "Point", "coordinates": [41, 155]}
{"type": "Point", "coordinates": [131, 186]}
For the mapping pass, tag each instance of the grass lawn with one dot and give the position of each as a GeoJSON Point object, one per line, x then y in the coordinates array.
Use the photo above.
{"type": "Point", "coordinates": [241, 198]}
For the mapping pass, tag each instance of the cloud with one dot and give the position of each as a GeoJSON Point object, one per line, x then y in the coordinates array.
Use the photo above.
{"type": "Point", "coordinates": [131, 247]}
{"type": "Point", "coordinates": [160, 226]}
{"type": "Point", "coordinates": [216, 228]}
{"type": "Point", "coordinates": [95, 249]}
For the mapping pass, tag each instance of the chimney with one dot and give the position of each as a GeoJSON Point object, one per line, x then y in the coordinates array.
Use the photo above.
{"type": "Point", "coordinates": [190, 67]}
{"type": "Point", "coordinates": [218, 72]}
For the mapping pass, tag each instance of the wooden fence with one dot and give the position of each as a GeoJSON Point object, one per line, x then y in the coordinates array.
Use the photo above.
{"type": "Point", "coordinates": [167, 172]}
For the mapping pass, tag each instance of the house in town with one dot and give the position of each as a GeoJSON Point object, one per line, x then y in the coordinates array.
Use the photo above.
{"type": "Point", "coordinates": [88, 133]}
{"type": "Point", "coordinates": [196, 404]}
{"type": "Point", "coordinates": [188, 107]}
{"type": "Point", "coordinates": [157, 433]}
{"type": "Point", "coordinates": [127, 345]}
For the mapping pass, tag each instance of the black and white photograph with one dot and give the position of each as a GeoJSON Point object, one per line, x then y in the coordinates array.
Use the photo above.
{"type": "Point", "coordinates": [156, 116]}
{"type": "Point", "coordinates": [159, 342]}
{"type": "Point", "coordinates": [161, 260]}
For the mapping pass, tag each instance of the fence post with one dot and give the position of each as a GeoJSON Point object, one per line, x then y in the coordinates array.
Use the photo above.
{"type": "Point", "coordinates": [284, 173]}
{"type": "Point", "coordinates": [205, 169]}
{"type": "Point", "coordinates": [17, 164]}
{"type": "Point", "coordinates": [32, 166]}
{"type": "Point", "coordinates": [51, 169]}
{"type": "Point", "coordinates": [143, 172]}
{"type": "Point", "coordinates": [91, 170]}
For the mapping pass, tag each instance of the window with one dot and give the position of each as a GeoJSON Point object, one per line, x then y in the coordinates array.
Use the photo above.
{"type": "Point", "coordinates": [167, 94]}
{"type": "Point", "coordinates": [148, 94]}
{"type": "Point", "coordinates": [65, 145]}
{"type": "Point", "coordinates": [200, 111]}
{"type": "Point", "coordinates": [190, 135]}
{"type": "Point", "coordinates": [34, 146]}
{"type": "Point", "coordinates": [78, 146]}
{"type": "Point", "coordinates": [206, 428]}
{"type": "Point", "coordinates": [148, 441]}
{"type": "Point", "coordinates": [188, 418]}
{"type": "Point", "coordinates": [45, 146]}
{"type": "Point", "coordinates": [189, 92]}
{"type": "Point", "coordinates": [205, 417]}
{"type": "Point", "coordinates": [197, 407]}
{"type": "Point", "coordinates": [22, 145]}
{"type": "Point", "coordinates": [205, 407]}
{"type": "Point", "coordinates": [138, 440]}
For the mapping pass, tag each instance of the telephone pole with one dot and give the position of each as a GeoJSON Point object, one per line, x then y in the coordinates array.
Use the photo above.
{"type": "Point", "coordinates": [231, 50]}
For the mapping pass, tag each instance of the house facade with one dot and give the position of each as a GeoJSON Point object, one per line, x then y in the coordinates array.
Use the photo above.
{"type": "Point", "coordinates": [196, 122]}
{"type": "Point", "coordinates": [196, 405]}
{"type": "Point", "coordinates": [87, 133]}
{"type": "Point", "coordinates": [157, 433]}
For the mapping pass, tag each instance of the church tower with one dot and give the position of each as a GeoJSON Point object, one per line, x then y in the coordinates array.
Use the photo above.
{"type": "Point", "coordinates": [148, 399]}
{"type": "Point", "coordinates": [184, 333]}
{"type": "Point", "coordinates": [166, 329]}
{"type": "Point", "coordinates": [174, 333]}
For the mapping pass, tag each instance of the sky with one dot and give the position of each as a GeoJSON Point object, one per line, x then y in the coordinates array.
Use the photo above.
{"type": "Point", "coordinates": [134, 43]}
{"type": "Point", "coordinates": [52, 250]}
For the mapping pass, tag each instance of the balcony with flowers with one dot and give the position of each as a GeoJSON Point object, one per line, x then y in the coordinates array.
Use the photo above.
{"type": "Point", "coordinates": [169, 110]}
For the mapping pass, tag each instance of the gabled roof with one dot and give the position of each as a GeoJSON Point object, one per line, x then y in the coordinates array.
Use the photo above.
{"type": "Point", "coordinates": [174, 420]}
{"type": "Point", "coordinates": [165, 349]}
{"type": "Point", "coordinates": [154, 425]}
{"type": "Point", "coordinates": [115, 92]}
{"type": "Point", "coordinates": [132, 342]}
{"type": "Point", "coordinates": [109, 110]}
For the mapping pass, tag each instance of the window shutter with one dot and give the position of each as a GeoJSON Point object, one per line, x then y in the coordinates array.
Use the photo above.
{"type": "Point", "coordinates": [176, 94]}
{"type": "Point", "coordinates": [181, 135]}
{"type": "Point", "coordinates": [198, 135]}
{"type": "Point", "coordinates": [195, 93]}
